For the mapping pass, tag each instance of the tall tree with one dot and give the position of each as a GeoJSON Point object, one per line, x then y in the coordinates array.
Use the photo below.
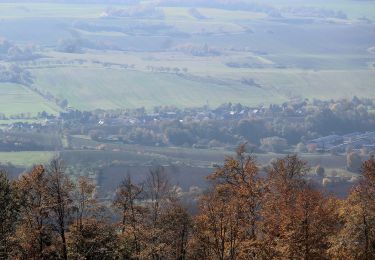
{"type": "Point", "coordinates": [8, 214]}
{"type": "Point", "coordinates": [84, 200]}
{"type": "Point", "coordinates": [158, 195]}
{"type": "Point", "coordinates": [59, 190]}
{"type": "Point", "coordinates": [240, 178]}
{"type": "Point", "coordinates": [230, 213]}
{"type": "Point", "coordinates": [176, 225]}
{"type": "Point", "coordinates": [297, 218]}
{"type": "Point", "coordinates": [356, 239]}
{"type": "Point", "coordinates": [217, 227]}
{"type": "Point", "coordinates": [91, 235]}
{"type": "Point", "coordinates": [157, 191]}
{"type": "Point", "coordinates": [34, 233]}
{"type": "Point", "coordinates": [127, 201]}
{"type": "Point", "coordinates": [284, 179]}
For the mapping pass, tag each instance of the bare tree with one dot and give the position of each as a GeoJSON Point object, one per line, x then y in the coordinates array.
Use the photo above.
{"type": "Point", "coordinates": [157, 196]}
{"type": "Point", "coordinates": [84, 200]}
{"type": "Point", "coordinates": [157, 190]}
{"type": "Point", "coordinates": [59, 191]}
{"type": "Point", "coordinates": [127, 200]}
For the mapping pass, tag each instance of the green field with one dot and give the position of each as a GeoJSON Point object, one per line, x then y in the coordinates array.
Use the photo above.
{"type": "Point", "coordinates": [89, 87]}
{"type": "Point", "coordinates": [323, 85]}
{"type": "Point", "coordinates": [112, 88]}
{"type": "Point", "coordinates": [17, 99]}
{"type": "Point", "coordinates": [26, 159]}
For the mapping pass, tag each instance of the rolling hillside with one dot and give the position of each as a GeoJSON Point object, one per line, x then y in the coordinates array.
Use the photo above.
{"type": "Point", "coordinates": [183, 58]}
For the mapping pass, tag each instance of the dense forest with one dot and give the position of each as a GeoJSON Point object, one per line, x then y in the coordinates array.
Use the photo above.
{"type": "Point", "coordinates": [247, 213]}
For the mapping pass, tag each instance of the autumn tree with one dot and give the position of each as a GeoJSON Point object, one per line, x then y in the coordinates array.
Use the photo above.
{"type": "Point", "coordinates": [34, 234]}
{"type": "Point", "coordinates": [307, 231]}
{"type": "Point", "coordinates": [240, 178]}
{"type": "Point", "coordinates": [92, 239]}
{"type": "Point", "coordinates": [126, 197]}
{"type": "Point", "coordinates": [356, 239]}
{"type": "Point", "coordinates": [217, 228]}
{"type": "Point", "coordinates": [8, 214]}
{"type": "Point", "coordinates": [153, 222]}
{"type": "Point", "coordinates": [176, 226]}
{"type": "Point", "coordinates": [85, 202]}
{"type": "Point", "coordinates": [247, 212]}
{"type": "Point", "coordinates": [230, 213]}
{"type": "Point", "coordinates": [91, 235]}
{"type": "Point", "coordinates": [297, 218]}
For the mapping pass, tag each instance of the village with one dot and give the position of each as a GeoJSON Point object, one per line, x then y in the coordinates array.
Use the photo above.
{"type": "Point", "coordinates": [295, 125]}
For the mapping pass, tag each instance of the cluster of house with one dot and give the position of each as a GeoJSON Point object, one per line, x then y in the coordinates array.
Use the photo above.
{"type": "Point", "coordinates": [341, 143]}
{"type": "Point", "coordinates": [199, 114]}
{"type": "Point", "coordinates": [172, 115]}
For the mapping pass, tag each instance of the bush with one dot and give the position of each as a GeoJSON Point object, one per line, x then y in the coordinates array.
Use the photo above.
{"type": "Point", "coordinates": [178, 136]}
{"type": "Point", "coordinates": [273, 144]}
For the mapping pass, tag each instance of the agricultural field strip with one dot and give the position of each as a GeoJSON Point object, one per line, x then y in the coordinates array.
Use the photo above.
{"type": "Point", "coordinates": [19, 99]}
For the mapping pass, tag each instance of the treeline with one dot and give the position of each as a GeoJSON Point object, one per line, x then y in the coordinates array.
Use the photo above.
{"type": "Point", "coordinates": [15, 74]}
{"type": "Point", "coordinates": [133, 28]}
{"type": "Point", "coordinates": [12, 52]}
{"type": "Point", "coordinates": [271, 129]}
{"type": "Point", "coordinates": [270, 10]}
{"type": "Point", "coordinates": [247, 213]}
{"type": "Point", "coordinates": [148, 11]}
{"type": "Point", "coordinates": [198, 50]}
{"type": "Point", "coordinates": [224, 4]}
{"type": "Point", "coordinates": [18, 140]}
{"type": "Point", "coordinates": [79, 44]}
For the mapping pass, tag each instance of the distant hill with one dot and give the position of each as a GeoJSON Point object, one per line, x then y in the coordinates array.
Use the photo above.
{"type": "Point", "coordinates": [74, 1]}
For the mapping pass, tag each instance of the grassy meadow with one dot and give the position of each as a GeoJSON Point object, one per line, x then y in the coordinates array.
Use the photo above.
{"type": "Point", "coordinates": [17, 99]}
{"type": "Point", "coordinates": [88, 89]}
{"type": "Point", "coordinates": [26, 159]}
